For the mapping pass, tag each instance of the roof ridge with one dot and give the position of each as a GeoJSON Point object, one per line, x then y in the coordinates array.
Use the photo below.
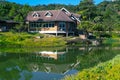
{"type": "Point", "coordinates": [57, 14]}
{"type": "Point", "coordinates": [44, 10]}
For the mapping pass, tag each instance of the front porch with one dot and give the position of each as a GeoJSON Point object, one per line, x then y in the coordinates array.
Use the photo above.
{"type": "Point", "coordinates": [55, 32]}
{"type": "Point", "coordinates": [56, 28]}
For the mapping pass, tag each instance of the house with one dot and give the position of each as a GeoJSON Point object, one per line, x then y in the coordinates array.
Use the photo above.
{"type": "Point", "coordinates": [6, 25]}
{"type": "Point", "coordinates": [52, 22]}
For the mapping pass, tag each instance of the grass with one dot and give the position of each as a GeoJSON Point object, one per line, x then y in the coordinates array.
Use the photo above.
{"type": "Point", "coordinates": [10, 39]}
{"type": "Point", "coordinates": [109, 70]}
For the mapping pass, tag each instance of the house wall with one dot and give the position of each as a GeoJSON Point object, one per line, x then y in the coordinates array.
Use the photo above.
{"type": "Point", "coordinates": [59, 27]}
{"type": "Point", "coordinates": [49, 29]}
{"type": "Point", "coordinates": [42, 26]}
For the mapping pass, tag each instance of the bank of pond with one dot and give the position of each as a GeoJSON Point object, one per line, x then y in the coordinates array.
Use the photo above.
{"type": "Point", "coordinates": [34, 56]}
{"type": "Point", "coordinates": [10, 39]}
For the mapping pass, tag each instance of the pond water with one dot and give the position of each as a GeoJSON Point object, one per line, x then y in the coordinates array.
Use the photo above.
{"type": "Point", "coordinates": [50, 63]}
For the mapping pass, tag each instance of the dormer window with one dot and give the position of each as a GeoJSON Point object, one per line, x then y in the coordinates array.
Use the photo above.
{"type": "Point", "coordinates": [72, 17]}
{"type": "Point", "coordinates": [48, 14]}
{"type": "Point", "coordinates": [35, 15]}
{"type": "Point", "coordinates": [65, 10]}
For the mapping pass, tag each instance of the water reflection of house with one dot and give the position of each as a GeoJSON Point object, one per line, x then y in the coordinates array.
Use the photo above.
{"type": "Point", "coordinates": [49, 54]}
{"type": "Point", "coordinates": [61, 62]}
{"type": "Point", "coordinates": [57, 56]}
{"type": "Point", "coordinates": [53, 68]}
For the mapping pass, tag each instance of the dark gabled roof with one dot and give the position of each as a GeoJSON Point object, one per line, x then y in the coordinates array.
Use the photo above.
{"type": "Point", "coordinates": [57, 15]}
{"type": "Point", "coordinates": [8, 21]}
{"type": "Point", "coordinates": [11, 21]}
{"type": "Point", "coordinates": [1, 21]}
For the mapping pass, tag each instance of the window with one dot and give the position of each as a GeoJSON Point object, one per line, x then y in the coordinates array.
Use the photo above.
{"type": "Point", "coordinates": [72, 18]}
{"type": "Point", "coordinates": [62, 26]}
{"type": "Point", "coordinates": [35, 24]}
{"type": "Point", "coordinates": [51, 24]}
{"type": "Point", "coordinates": [48, 25]}
{"type": "Point", "coordinates": [31, 24]}
{"type": "Point", "coordinates": [71, 27]}
{"type": "Point", "coordinates": [39, 24]}
{"type": "Point", "coordinates": [35, 15]}
{"type": "Point", "coordinates": [48, 14]}
{"type": "Point", "coordinates": [65, 10]}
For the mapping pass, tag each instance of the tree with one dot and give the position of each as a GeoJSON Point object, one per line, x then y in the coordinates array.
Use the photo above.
{"type": "Point", "coordinates": [116, 26]}
{"type": "Point", "coordinates": [20, 27]}
{"type": "Point", "coordinates": [18, 18]}
{"type": "Point", "coordinates": [87, 9]}
{"type": "Point", "coordinates": [98, 19]}
{"type": "Point", "coordinates": [4, 9]}
{"type": "Point", "coordinates": [86, 26]}
{"type": "Point", "coordinates": [24, 10]}
{"type": "Point", "coordinates": [12, 12]}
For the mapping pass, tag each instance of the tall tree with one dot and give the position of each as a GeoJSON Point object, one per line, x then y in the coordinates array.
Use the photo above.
{"type": "Point", "coordinates": [87, 9]}
{"type": "Point", "coordinates": [12, 12]}
{"type": "Point", "coordinates": [4, 9]}
{"type": "Point", "coordinates": [24, 10]}
{"type": "Point", "coordinates": [86, 26]}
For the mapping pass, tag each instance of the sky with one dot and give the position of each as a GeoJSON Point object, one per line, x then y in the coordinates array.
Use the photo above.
{"type": "Point", "coordinates": [36, 2]}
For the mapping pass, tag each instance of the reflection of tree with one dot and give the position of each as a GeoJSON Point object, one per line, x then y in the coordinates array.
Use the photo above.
{"type": "Point", "coordinates": [18, 63]}
{"type": "Point", "coordinates": [11, 69]}
{"type": "Point", "coordinates": [96, 56]}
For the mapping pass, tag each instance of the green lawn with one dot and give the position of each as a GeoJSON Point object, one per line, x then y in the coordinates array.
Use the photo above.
{"type": "Point", "coordinates": [9, 39]}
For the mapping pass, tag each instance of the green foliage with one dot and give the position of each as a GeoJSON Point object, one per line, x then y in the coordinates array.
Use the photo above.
{"type": "Point", "coordinates": [109, 70]}
{"type": "Point", "coordinates": [29, 40]}
{"type": "Point", "coordinates": [117, 26]}
{"type": "Point", "coordinates": [105, 13]}
{"type": "Point", "coordinates": [98, 19]}
{"type": "Point", "coordinates": [99, 27]}
{"type": "Point", "coordinates": [86, 9]}
{"type": "Point", "coordinates": [13, 67]}
{"type": "Point", "coordinates": [13, 11]}
{"type": "Point", "coordinates": [72, 8]}
{"type": "Point", "coordinates": [85, 25]}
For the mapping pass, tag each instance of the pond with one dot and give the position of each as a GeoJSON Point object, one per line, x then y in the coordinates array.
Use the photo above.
{"type": "Point", "coordinates": [50, 63]}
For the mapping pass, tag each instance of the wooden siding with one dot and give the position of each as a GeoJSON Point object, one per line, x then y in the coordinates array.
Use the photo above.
{"type": "Point", "coordinates": [49, 29]}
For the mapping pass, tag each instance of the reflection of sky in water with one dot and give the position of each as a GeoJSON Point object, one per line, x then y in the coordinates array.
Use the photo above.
{"type": "Point", "coordinates": [46, 76]}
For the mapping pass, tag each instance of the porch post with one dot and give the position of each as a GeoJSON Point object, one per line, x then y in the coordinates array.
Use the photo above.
{"type": "Point", "coordinates": [56, 33]}
{"type": "Point", "coordinates": [28, 26]}
{"type": "Point", "coordinates": [56, 25]}
{"type": "Point", "coordinates": [66, 29]}
{"type": "Point", "coordinates": [66, 33]}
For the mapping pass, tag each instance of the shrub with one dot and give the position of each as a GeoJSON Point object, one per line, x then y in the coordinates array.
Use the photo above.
{"type": "Point", "coordinates": [109, 70]}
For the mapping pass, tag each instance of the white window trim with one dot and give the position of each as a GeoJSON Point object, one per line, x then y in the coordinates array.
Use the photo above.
{"type": "Point", "coordinates": [66, 11]}
{"type": "Point", "coordinates": [35, 13]}
{"type": "Point", "coordinates": [50, 14]}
